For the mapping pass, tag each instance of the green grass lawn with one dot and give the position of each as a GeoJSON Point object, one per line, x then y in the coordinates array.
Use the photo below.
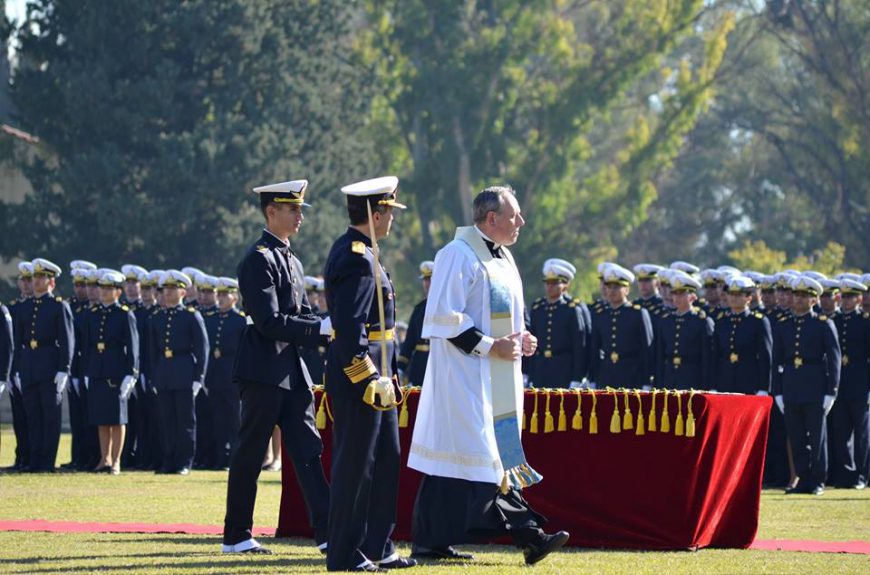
{"type": "Point", "coordinates": [839, 515]}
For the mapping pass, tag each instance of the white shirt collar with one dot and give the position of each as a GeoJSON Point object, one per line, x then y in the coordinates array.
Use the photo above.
{"type": "Point", "coordinates": [487, 238]}
{"type": "Point", "coordinates": [285, 242]}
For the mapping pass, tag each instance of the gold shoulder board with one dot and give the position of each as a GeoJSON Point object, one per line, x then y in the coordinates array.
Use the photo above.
{"type": "Point", "coordinates": [191, 309]}
{"type": "Point", "coordinates": [358, 248]}
{"type": "Point", "coordinates": [125, 308]}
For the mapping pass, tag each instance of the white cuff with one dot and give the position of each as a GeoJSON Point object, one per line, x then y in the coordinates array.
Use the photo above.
{"type": "Point", "coordinates": [326, 326]}
{"type": "Point", "coordinates": [483, 346]}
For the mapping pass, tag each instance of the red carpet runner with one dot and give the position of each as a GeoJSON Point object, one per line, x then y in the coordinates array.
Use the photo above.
{"type": "Point", "coordinates": [858, 547]}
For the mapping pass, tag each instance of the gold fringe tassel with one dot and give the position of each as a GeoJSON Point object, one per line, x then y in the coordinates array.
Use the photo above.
{"type": "Point", "coordinates": [548, 417]}
{"type": "Point", "coordinates": [690, 419]}
{"type": "Point", "coordinates": [627, 417]}
{"type": "Point", "coordinates": [593, 419]}
{"type": "Point", "coordinates": [678, 425]}
{"type": "Point", "coordinates": [614, 419]}
{"type": "Point", "coordinates": [639, 430]}
{"type": "Point", "coordinates": [577, 420]}
{"type": "Point", "coordinates": [652, 412]}
{"type": "Point", "coordinates": [563, 420]}
{"type": "Point", "coordinates": [534, 424]}
{"type": "Point", "coordinates": [320, 418]}
{"type": "Point", "coordinates": [666, 420]}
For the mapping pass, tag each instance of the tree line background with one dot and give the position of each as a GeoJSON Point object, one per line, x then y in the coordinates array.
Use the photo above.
{"type": "Point", "coordinates": [715, 131]}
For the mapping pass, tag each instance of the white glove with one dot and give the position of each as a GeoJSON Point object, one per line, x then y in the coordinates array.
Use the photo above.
{"type": "Point", "coordinates": [385, 391]}
{"type": "Point", "coordinates": [60, 379]}
{"type": "Point", "coordinates": [75, 384]}
{"type": "Point", "coordinates": [197, 385]}
{"type": "Point", "coordinates": [761, 393]}
{"type": "Point", "coordinates": [647, 388]}
{"type": "Point", "coordinates": [127, 386]}
{"type": "Point", "coordinates": [3, 386]}
{"type": "Point", "coordinates": [526, 380]}
{"type": "Point", "coordinates": [326, 326]}
{"type": "Point", "coordinates": [16, 381]}
{"type": "Point", "coordinates": [828, 403]}
{"type": "Point", "coordinates": [780, 403]}
{"type": "Point", "coordinates": [574, 385]}
{"type": "Point", "coordinates": [87, 381]}
{"type": "Point", "coordinates": [712, 391]}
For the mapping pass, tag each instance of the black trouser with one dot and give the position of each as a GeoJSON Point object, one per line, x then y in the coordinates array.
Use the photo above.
{"type": "Point", "coordinates": [178, 420]}
{"type": "Point", "coordinates": [130, 454]}
{"type": "Point", "coordinates": [204, 457]}
{"type": "Point", "coordinates": [264, 407]}
{"type": "Point", "coordinates": [776, 471]}
{"type": "Point", "coordinates": [225, 413]}
{"type": "Point", "coordinates": [365, 483]}
{"type": "Point", "coordinates": [19, 426]}
{"type": "Point", "coordinates": [450, 511]}
{"type": "Point", "coordinates": [850, 420]}
{"type": "Point", "coordinates": [77, 424]}
{"type": "Point", "coordinates": [90, 436]}
{"type": "Point", "coordinates": [807, 433]}
{"type": "Point", "coordinates": [43, 404]}
{"type": "Point", "coordinates": [155, 432]}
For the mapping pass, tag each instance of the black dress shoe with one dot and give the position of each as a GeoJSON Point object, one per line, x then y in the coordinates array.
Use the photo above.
{"type": "Point", "coordinates": [103, 469]}
{"type": "Point", "coordinates": [439, 553]}
{"type": "Point", "coordinates": [549, 543]}
{"type": "Point", "coordinates": [397, 563]}
{"type": "Point", "coordinates": [162, 471]}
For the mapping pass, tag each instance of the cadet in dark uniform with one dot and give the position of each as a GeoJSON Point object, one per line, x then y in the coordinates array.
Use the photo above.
{"type": "Point", "coordinates": [848, 419]}
{"type": "Point", "coordinates": [16, 397]}
{"type": "Point", "coordinates": [767, 286]}
{"type": "Point", "coordinates": [46, 344]}
{"type": "Point", "coordinates": [622, 337]}
{"type": "Point", "coordinates": [132, 298]}
{"type": "Point", "coordinates": [684, 340]}
{"type": "Point", "coordinates": [744, 344]}
{"type": "Point", "coordinates": [829, 301]}
{"type": "Point", "coordinates": [224, 327]}
{"type": "Point", "coordinates": [110, 360]}
{"type": "Point", "coordinates": [414, 351]}
{"type": "Point", "coordinates": [78, 416]}
{"type": "Point", "coordinates": [178, 347]}
{"type": "Point", "coordinates": [275, 385]}
{"type": "Point", "coordinates": [713, 285]}
{"type": "Point", "coordinates": [365, 464]}
{"type": "Point", "coordinates": [204, 458]}
{"type": "Point", "coordinates": [688, 269]}
{"type": "Point", "coordinates": [648, 287]}
{"type": "Point", "coordinates": [6, 350]}
{"type": "Point", "coordinates": [563, 327]}
{"type": "Point", "coordinates": [191, 298]}
{"type": "Point", "coordinates": [151, 452]}
{"type": "Point", "coordinates": [807, 356]}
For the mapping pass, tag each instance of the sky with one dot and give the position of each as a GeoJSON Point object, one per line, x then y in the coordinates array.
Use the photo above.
{"type": "Point", "coordinates": [15, 9]}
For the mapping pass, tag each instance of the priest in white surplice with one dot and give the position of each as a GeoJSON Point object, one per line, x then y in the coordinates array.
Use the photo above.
{"type": "Point", "coordinates": [467, 433]}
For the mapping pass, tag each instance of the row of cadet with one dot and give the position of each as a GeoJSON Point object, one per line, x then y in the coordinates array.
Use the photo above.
{"type": "Point", "coordinates": [802, 337]}
{"type": "Point", "coordinates": [146, 361]}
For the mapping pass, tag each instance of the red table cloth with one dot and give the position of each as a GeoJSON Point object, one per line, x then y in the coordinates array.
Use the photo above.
{"type": "Point", "coordinates": [628, 486]}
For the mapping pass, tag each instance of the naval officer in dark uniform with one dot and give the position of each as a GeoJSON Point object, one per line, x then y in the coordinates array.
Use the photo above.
{"type": "Point", "coordinates": [744, 344]}
{"type": "Point", "coordinates": [110, 361]}
{"type": "Point", "coordinates": [274, 382]}
{"type": "Point", "coordinates": [623, 355]}
{"type": "Point", "coordinates": [365, 460]}
{"type": "Point", "coordinates": [563, 327]}
{"type": "Point", "coordinates": [225, 327]}
{"type": "Point", "coordinates": [414, 352]}
{"type": "Point", "coordinates": [684, 340]}
{"type": "Point", "coordinates": [46, 344]}
{"type": "Point", "coordinates": [849, 422]}
{"type": "Point", "coordinates": [808, 360]}
{"type": "Point", "coordinates": [204, 458]}
{"type": "Point", "coordinates": [16, 397]}
{"type": "Point", "coordinates": [178, 347]}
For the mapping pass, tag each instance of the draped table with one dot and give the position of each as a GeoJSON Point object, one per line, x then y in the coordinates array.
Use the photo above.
{"type": "Point", "coordinates": [676, 470]}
